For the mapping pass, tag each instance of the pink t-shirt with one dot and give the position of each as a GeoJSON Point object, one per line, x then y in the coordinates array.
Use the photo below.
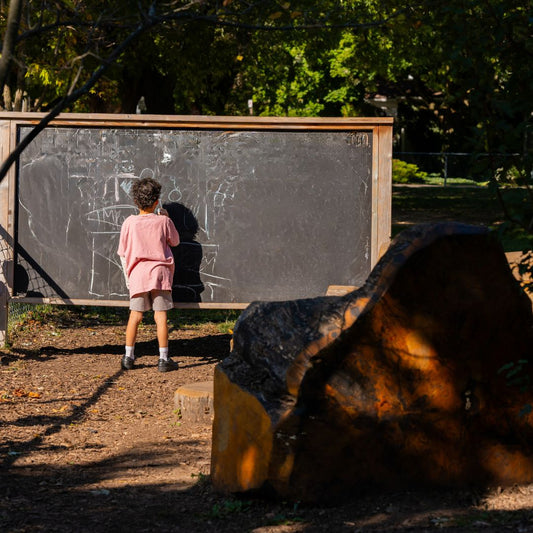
{"type": "Point", "coordinates": [145, 242]}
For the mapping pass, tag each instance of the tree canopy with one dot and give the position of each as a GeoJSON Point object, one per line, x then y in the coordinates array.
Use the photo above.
{"type": "Point", "coordinates": [458, 69]}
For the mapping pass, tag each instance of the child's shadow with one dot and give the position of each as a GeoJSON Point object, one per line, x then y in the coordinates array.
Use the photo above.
{"type": "Point", "coordinates": [187, 285]}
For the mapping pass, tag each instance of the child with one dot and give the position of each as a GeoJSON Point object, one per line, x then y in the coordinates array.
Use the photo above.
{"type": "Point", "coordinates": [144, 249]}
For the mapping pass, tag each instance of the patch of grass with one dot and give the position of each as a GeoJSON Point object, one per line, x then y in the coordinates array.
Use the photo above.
{"type": "Point", "coordinates": [203, 479]}
{"type": "Point", "coordinates": [196, 318]}
{"type": "Point", "coordinates": [102, 314]}
{"type": "Point", "coordinates": [437, 179]}
{"type": "Point", "coordinates": [448, 201]}
{"type": "Point", "coordinates": [71, 316]}
{"type": "Point", "coordinates": [471, 205]}
{"type": "Point", "coordinates": [228, 508]}
{"type": "Point", "coordinates": [21, 313]}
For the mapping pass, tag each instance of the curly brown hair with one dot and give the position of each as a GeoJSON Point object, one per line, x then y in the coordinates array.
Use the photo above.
{"type": "Point", "coordinates": [146, 191]}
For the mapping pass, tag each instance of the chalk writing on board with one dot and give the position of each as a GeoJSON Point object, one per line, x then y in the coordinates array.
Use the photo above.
{"type": "Point", "coordinates": [261, 214]}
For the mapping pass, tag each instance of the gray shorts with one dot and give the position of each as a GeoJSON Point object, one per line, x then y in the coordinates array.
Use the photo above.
{"type": "Point", "coordinates": [156, 299]}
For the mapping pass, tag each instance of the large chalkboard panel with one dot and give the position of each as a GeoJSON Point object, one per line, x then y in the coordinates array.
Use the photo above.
{"type": "Point", "coordinates": [263, 214]}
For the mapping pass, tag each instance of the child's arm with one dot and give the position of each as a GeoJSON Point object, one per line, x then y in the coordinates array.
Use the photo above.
{"type": "Point", "coordinates": [125, 271]}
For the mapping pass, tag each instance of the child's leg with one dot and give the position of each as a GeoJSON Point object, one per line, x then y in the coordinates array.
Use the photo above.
{"type": "Point", "coordinates": [160, 319]}
{"type": "Point", "coordinates": [162, 302]}
{"type": "Point", "coordinates": [135, 318]}
{"type": "Point", "coordinates": [131, 328]}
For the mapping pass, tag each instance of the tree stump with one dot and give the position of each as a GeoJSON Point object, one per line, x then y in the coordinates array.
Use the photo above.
{"type": "Point", "coordinates": [195, 402]}
{"type": "Point", "coordinates": [402, 382]}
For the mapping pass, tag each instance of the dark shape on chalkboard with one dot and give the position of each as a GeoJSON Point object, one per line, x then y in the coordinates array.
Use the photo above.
{"type": "Point", "coordinates": [22, 280]}
{"type": "Point", "coordinates": [187, 285]}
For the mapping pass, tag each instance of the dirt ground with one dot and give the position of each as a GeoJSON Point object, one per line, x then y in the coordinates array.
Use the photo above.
{"type": "Point", "coordinates": [87, 447]}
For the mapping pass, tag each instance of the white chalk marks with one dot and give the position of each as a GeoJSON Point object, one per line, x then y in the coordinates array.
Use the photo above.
{"type": "Point", "coordinates": [261, 214]}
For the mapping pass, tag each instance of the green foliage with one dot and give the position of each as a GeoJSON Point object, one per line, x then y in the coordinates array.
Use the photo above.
{"type": "Point", "coordinates": [510, 175]}
{"type": "Point", "coordinates": [226, 327]}
{"type": "Point", "coordinates": [460, 67]}
{"type": "Point", "coordinates": [403, 172]}
{"type": "Point", "coordinates": [297, 84]}
{"type": "Point", "coordinates": [228, 508]}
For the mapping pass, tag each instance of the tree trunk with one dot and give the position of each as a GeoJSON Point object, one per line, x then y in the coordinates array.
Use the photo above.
{"type": "Point", "coordinates": [8, 46]}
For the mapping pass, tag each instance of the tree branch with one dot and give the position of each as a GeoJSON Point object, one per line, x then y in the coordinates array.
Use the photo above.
{"type": "Point", "coordinates": [72, 97]}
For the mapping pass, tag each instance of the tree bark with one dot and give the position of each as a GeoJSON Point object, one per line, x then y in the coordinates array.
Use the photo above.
{"type": "Point", "coordinates": [406, 382]}
{"type": "Point", "coordinates": [8, 46]}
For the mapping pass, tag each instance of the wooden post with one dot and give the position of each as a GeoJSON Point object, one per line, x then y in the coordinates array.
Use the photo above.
{"type": "Point", "coordinates": [7, 190]}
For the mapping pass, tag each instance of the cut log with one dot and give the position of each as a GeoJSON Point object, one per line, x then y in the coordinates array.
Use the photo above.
{"type": "Point", "coordinates": [340, 290]}
{"type": "Point", "coordinates": [195, 402]}
{"type": "Point", "coordinates": [400, 383]}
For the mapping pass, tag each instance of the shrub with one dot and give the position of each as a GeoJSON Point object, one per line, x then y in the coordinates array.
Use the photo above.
{"type": "Point", "coordinates": [403, 172]}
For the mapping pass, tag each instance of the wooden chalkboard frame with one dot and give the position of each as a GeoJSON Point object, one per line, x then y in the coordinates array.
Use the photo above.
{"type": "Point", "coordinates": [10, 122]}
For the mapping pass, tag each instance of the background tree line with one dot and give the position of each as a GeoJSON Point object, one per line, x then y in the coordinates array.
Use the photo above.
{"type": "Point", "coordinates": [459, 69]}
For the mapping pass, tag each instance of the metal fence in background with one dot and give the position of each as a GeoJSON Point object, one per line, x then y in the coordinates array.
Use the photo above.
{"type": "Point", "coordinates": [477, 167]}
{"type": "Point", "coordinates": [17, 310]}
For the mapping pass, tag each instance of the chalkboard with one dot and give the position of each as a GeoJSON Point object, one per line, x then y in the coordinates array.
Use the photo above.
{"type": "Point", "coordinates": [262, 214]}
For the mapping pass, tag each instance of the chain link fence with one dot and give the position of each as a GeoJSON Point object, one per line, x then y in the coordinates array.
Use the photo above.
{"type": "Point", "coordinates": [16, 310]}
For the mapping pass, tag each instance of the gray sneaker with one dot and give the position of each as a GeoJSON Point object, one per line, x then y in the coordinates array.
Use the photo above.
{"type": "Point", "coordinates": [127, 363]}
{"type": "Point", "coordinates": [167, 365]}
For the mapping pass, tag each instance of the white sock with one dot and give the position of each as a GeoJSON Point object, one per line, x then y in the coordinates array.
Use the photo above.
{"type": "Point", "coordinates": [129, 352]}
{"type": "Point", "coordinates": [163, 353]}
